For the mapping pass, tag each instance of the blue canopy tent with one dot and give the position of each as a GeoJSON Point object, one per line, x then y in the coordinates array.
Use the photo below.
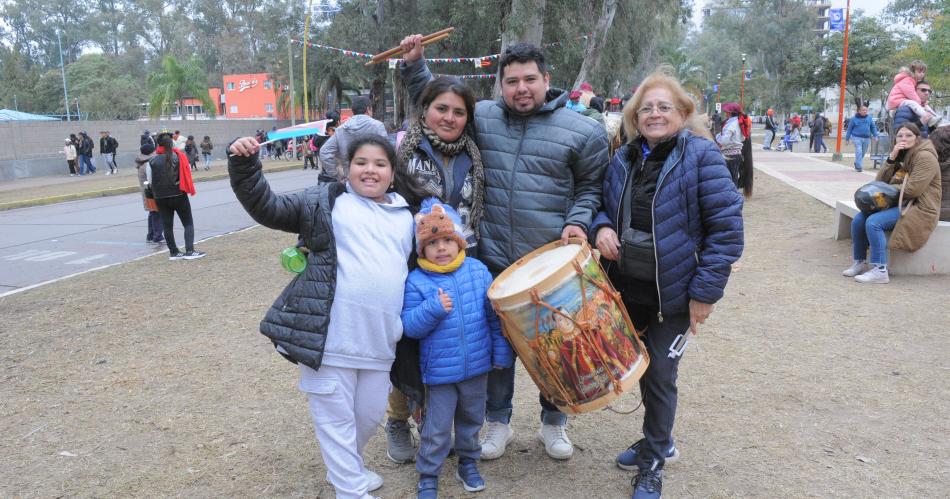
{"type": "Point", "coordinates": [11, 115]}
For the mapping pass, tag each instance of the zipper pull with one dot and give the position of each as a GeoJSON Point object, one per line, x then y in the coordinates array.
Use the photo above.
{"type": "Point", "coordinates": [659, 317]}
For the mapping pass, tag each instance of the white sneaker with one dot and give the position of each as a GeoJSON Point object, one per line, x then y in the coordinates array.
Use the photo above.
{"type": "Point", "coordinates": [556, 443]}
{"type": "Point", "coordinates": [877, 275]}
{"type": "Point", "coordinates": [495, 439]}
{"type": "Point", "coordinates": [108, 173]}
{"type": "Point", "coordinates": [856, 268]}
{"type": "Point", "coordinates": [374, 481]}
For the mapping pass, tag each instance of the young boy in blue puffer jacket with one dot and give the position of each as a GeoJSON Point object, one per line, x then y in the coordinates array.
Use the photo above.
{"type": "Point", "coordinates": [446, 307]}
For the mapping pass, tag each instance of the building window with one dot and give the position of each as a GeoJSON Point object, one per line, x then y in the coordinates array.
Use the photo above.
{"type": "Point", "coordinates": [231, 85]}
{"type": "Point", "coordinates": [269, 108]}
{"type": "Point", "coordinates": [233, 109]}
{"type": "Point", "coordinates": [267, 84]}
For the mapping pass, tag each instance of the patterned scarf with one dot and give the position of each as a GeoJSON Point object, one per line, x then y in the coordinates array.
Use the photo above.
{"type": "Point", "coordinates": [413, 138]}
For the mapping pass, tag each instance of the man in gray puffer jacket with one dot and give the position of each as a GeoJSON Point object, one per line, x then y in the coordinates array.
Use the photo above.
{"type": "Point", "coordinates": [333, 152]}
{"type": "Point", "coordinates": [544, 165]}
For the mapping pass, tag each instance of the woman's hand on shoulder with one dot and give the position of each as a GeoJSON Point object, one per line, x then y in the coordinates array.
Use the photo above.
{"type": "Point", "coordinates": [608, 243]}
{"type": "Point", "coordinates": [245, 146]}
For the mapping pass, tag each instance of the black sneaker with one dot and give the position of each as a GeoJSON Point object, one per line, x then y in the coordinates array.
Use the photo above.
{"type": "Point", "coordinates": [648, 484]}
{"type": "Point", "coordinates": [177, 256]}
{"type": "Point", "coordinates": [193, 255]}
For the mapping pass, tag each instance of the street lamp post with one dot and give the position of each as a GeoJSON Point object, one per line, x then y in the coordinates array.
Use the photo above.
{"type": "Point", "coordinates": [844, 80]}
{"type": "Point", "coordinates": [718, 86]}
{"type": "Point", "coordinates": [62, 70]}
{"type": "Point", "coordinates": [742, 86]}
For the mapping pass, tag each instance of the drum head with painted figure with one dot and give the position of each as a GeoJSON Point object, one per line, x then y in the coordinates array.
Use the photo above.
{"type": "Point", "coordinates": [536, 270]}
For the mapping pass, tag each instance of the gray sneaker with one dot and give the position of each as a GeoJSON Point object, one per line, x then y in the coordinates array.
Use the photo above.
{"type": "Point", "coordinates": [399, 447]}
{"type": "Point", "coordinates": [856, 268]}
{"type": "Point", "coordinates": [877, 275]}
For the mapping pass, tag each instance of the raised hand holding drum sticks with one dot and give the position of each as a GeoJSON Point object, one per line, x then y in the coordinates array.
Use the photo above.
{"type": "Point", "coordinates": [438, 36]}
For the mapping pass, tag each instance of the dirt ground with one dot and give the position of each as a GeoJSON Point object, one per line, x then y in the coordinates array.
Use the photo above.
{"type": "Point", "coordinates": [150, 379]}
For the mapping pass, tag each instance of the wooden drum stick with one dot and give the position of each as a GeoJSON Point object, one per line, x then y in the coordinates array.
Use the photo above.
{"type": "Point", "coordinates": [438, 36]}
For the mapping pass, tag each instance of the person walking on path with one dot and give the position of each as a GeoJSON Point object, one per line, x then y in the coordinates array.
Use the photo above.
{"type": "Point", "coordinates": [191, 150]}
{"type": "Point", "coordinates": [861, 131]}
{"type": "Point", "coordinates": [446, 308]}
{"type": "Point", "coordinates": [107, 149]}
{"type": "Point", "coordinates": [69, 150]}
{"type": "Point", "coordinates": [770, 128]}
{"type": "Point", "coordinates": [333, 152]}
{"type": "Point", "coordinates": [206, 148]}
{"type": "Point", "coordinates": [156, 231]}
{"type": "Point", "coordinates": [913, 165]}
{"type": "Point", "coordinates": [169, 177]}
{"type": "Point", "coordinates": [669, 186]}
{"type": "Point", "coordinates": [86, 146]}
{"type": "Point", "coordinates": [543, 169]}
{"type": "Point", "coordinates": [339, 319]}
{"type": "Point", "coordinates": [730, 140]}
{"type": "Point", "coordinates": [817, 133]}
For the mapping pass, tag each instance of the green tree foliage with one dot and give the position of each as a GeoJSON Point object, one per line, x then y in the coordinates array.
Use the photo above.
{"type": "Point", "coordinates": [772, 33]}
{"type": "Point", "coordinates": [872, 59]}
{"type": "Point", "coordinates": [174, 82]}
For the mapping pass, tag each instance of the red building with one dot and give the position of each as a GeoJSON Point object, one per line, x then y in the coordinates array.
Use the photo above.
{"type": "Point", "coordinates": [250, 96]}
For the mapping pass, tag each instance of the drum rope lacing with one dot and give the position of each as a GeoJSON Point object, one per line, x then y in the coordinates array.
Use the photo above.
{"type": "Point", "coordinates": [587, 334]}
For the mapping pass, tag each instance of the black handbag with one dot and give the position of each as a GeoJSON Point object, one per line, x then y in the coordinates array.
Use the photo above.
{"type": "Point", "coordinates": [637, 254]}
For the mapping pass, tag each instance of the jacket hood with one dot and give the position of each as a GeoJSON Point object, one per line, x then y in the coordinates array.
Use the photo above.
{"type": "Point", "coordinates": [359, 123]}
{"type": "Point", "coordinates": [548, 107]}
{"type": "Point", "coordinates": [901, 76]}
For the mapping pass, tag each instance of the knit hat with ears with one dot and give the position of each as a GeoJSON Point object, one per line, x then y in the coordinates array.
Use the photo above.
{"type": "Point", "coordinates": [436, 220]}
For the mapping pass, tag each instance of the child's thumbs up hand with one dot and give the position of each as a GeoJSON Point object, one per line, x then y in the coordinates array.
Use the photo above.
{"type": "Point", "coordinates": [446, 301]}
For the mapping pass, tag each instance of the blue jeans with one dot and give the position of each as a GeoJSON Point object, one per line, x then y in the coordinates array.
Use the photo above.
{"type": "Point", "coordinates": [819, 142]}
{"type": "Point", "coordinates": [869, 230]}
{"type": "Point", "coordinates": [460, 404]}
{"type": "Point", "coordinates": [769, 137]}
{"type": "Point", "coordinates": [85, 165]}
{"type": "Point", "coordinates": [501, 389]}
{"type": "Point", "coordinates": [861, 145]}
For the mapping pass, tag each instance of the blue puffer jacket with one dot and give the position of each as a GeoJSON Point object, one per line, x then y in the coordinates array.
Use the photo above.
{"type": "Point", "coordinates": [905, 114]}
{"type": "Point", "coordinates": [697, 221]}
{"type": "Point", "coordinates": [461, 344]}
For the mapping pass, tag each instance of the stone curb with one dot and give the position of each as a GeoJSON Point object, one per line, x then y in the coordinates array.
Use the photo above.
{"type": "Point", "coordinates": [25, 203]}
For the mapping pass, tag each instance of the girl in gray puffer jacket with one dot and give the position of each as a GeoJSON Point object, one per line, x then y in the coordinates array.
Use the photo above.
{"type": "Point", "coordinates": [339, 320]}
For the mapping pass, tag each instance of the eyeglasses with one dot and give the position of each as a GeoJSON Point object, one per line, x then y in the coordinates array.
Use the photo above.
{"type": "Point", "coordinates": [661, 109]}
{"type": "Point", "coordinates": [925, 90]}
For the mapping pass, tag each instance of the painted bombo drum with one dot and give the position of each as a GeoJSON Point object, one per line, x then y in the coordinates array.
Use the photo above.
{"type": "Point", "coordinates": [568, 326]}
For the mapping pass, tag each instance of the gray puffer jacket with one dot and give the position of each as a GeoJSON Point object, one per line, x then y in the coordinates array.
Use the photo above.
{"type": "Point", "coordinates": [542, 172]}
{"type": "Point", "coordinates": [297, 322]}
{"type": "Point", "coordinates": [333, 152]}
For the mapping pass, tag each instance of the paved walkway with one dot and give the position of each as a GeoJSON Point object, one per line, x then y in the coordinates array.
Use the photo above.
{"type": "Point", "coordinates": [824, 180]}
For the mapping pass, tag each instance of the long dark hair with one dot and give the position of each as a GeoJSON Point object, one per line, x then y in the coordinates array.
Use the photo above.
{"type": "Point", "coordinates": [445, 84]}
{"type": "Point", "coordinates": [165, 140]}
{"type": "Point", "coordinates": [404, 185]}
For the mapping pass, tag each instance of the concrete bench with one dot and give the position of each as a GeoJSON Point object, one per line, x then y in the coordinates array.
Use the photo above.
{"type": "Point", "coordinates": [933, 258]}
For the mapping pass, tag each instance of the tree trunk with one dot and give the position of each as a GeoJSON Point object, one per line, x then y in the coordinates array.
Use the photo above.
{"type": "Point", "coordinates": [524, 23]}
{"type": "Point", "coordinates": [595, 44]}
{"type": "Point", "coordinates": [378, 85]}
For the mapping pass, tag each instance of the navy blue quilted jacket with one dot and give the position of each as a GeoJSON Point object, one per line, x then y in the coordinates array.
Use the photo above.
{"type": "Point", "coordinates": [461, 344]}
{"type": "Point", "coordinates": [697, 221]}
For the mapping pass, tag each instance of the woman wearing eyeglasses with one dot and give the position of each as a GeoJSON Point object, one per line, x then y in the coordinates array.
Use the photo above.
{"type": "Point", "coordinates": [670, 229]}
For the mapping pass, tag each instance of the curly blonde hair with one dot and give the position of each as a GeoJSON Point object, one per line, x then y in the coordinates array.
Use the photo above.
{"type": "Point", "coordinates": [662, 77]}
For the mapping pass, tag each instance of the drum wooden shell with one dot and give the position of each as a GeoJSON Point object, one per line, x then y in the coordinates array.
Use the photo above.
{"type": "Point", "coordinates": [570, 329]}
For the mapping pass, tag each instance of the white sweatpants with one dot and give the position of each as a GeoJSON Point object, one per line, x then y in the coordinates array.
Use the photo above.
{"type": "Point", "coordinates": [346, 406]}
